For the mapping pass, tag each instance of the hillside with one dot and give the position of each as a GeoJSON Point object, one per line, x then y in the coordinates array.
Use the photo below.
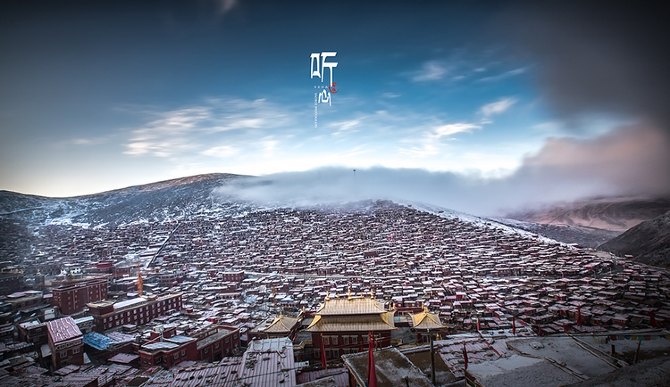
{"type": "Point", "coordinates": [156, 201]}
{"type": "Point", "coordinates": [616, 214]}
{"type": "Point", "coordinates": [648, 242]}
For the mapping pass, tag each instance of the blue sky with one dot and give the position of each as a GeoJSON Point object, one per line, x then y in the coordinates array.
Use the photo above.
{"type": "Point", "coordinates": [100, 95]}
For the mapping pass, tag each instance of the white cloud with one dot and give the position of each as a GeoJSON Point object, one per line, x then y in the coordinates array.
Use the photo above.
{"type": "Point", "coordinates": [221, 151]}
{"type": "Point", "coordinates": [269, 144]}
{"type": "Point", "coordinates": [341, 127]}
{"type": "Point", "coordinates": [497, 107]}
{"type": "Point", "coordinates": [451, 129]}
{"type": "Point", "coordinates": [429, 144]}
{"type": "Point", "coordinates": [86, 141]}
{"type": "Point", "coordinates": [547, 126]}
{"type": "Point", "coordinates": [616, 163]}
{"type": "Point", "coordinates": [430, 71]}
{"type": "Point", "coordinates": [390, 95]}
{"type": "Point", "coordinates": [187, 129]}
{"type": "Point", "coordinates": [504, 75]}
{"type": "Point", "coordinates": [423, 150]}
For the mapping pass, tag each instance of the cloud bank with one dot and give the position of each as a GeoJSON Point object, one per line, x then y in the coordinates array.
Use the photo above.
{"type": "Point", "coordinates": [623, 162]}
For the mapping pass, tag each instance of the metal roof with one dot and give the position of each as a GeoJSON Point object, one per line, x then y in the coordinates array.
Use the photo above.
{"type": "Point", "coordinates": [349, 306]}
{"type": "Point", "coordinates": [160, 345]}
{"type": "Point", "coordinates": [269, 363]}
{"type": "Point", "coordinates": [208, 375]}
{"type": "Point", "coordinates": [63, 329]}
{"type": "Point", "coordinates": [98, 341]}
{"type": "Point", "coordinates": [178, 339]}
{"type": "Point", "coordinates": [126, 303]}
{"type": "Point", "coordinates": [355, 323]}
{"type": "Point", "coordinates": [391, 366]}
{"type": "Point", "coordinates": [281, 324]}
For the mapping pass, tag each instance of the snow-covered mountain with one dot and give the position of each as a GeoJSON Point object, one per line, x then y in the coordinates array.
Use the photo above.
{"type": "Point", "coordinates": [151, 202]}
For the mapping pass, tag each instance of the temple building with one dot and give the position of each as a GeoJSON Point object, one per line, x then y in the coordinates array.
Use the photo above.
{"type": "Point", "coordinates": [280, 326]}
{"type": "Point", "coordinates": [341, 326]}
{"type": "Point", "coordinates": [424, 323]}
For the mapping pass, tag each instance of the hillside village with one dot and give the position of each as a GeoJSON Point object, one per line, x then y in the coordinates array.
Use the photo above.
{"type": "Point", "coordinates": [150, 303]}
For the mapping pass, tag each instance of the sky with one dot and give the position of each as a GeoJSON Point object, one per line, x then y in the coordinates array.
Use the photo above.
{"type": "Point", "coordinates": [555, 99]}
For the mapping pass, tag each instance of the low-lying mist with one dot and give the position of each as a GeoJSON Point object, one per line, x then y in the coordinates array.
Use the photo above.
{"type": "Point", "coordinates": [628, 161]}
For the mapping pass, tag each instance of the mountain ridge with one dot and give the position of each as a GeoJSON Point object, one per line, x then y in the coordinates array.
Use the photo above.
{"type": "Point", "coordinates": [618, 213]}
{"type": "Point", "coordinates": [648, 242]}
{"type": "Point", "coordinates": [149, 201]}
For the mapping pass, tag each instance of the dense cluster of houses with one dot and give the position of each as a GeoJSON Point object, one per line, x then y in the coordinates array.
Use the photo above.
{"type": "Point", "coordinates": [151, 296]}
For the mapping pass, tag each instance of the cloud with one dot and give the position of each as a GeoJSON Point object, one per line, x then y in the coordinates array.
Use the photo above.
{"type": "Point", "coordinates": [268, 145]}
{"type": "Point", "coordinates": [88, 141]}
{"type": "Point", "coordinates": [547, 126]}
{"type": "Point", "coordinates": [497, 107]}
{"type": "Point", "coordinates": [193, 128]}
{"type": "Point", "coordinates": [341, 127]}
{"type": "Point", "coordinates": [429, 143]}
{"type": "Point", "coordinates": [629, 160]}
{"type": "Point", "coordinates": [594, 59]}
{"type": "Point", "coordinates": [169, 133]}
{"type": "Point", "coordinates": [221, 151]}
{"type": "Point", "coordinates": [563, 170]}
{"type": "Point", "coordinates": [390, 95]}
{"type": "Point", "coordinates": [430, 71]}
{"type": "Point", "coordinates": [452, 129]}
{"type": "Point", "coordinates": [503, 75]}
{"type": "Point", "coordinates": [226, 6]}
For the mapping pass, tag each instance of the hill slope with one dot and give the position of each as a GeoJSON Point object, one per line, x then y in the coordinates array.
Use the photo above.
{"type": "Point", "coordinates": [648, 242]}
{"type": "Point", "coordinates": [155, 201]}
{"type": "Point", "coordinates": [612, 214]}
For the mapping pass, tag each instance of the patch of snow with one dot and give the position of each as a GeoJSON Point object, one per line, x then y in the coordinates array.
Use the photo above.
{"type": "Point", "coordinates": [481, 222]}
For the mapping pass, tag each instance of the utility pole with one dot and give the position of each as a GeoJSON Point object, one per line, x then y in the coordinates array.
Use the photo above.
{"type": "Point", "coordinates": [432, 358]}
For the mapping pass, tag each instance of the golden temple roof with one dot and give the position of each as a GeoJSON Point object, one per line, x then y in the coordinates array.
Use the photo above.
{"type": "Point", "coordinates": [426, 320]}
{"type": "Point", "coordinates": [281, 324]}
{"type": "Point", "coordinates": [352, 315]}
{"type": "Point", "coordinates": [352, 323]}
{"type": "Point", "coordinates": [350, 306]}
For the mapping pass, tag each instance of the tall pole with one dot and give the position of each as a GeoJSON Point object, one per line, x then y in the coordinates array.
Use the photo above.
{"type": "Point", "coordinates": [637, 352]}
{"type": "Point", "coordinates": [355, 187]}
{"type": "Point", "coordinates": [372, 373]}
{"type": "Point", "coordinates": [432, 358]}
